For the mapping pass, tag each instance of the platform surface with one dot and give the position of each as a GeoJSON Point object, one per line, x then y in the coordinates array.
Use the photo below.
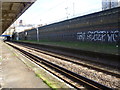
{"type": "Point", "coordinates": [14, 73]}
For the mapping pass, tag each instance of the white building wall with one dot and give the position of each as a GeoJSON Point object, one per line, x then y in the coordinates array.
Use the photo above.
{"type": "Point", "coordinates": [119, 3]}
{"type": "Point", "coordinates": [107, 4]}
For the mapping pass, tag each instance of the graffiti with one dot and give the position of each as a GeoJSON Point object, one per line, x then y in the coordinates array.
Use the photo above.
{"type": "Point", "coordinates": [103, 36]}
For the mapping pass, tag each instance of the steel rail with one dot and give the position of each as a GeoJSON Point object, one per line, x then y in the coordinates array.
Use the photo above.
{"type": "Point", "coordinates": [88, 83]}
{"type": "Point", "coordinates": [75, 62]}
{"type": "Point", "coordinates": [78, 63]}
{"type": "Point", "coordinates": [89, 56]}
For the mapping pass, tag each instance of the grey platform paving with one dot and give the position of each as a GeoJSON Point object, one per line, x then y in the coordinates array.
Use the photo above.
{"type": "Point", "coordinates": [14, 73]}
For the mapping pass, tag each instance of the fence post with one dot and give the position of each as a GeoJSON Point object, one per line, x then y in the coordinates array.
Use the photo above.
{"type": "Point", "coordinates": [37, 34]}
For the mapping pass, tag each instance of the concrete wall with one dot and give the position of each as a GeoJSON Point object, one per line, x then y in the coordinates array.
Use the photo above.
{"type": "Point", "coordinates": [97, 27]}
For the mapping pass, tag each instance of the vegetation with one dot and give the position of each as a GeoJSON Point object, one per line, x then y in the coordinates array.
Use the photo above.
{"type": "Point", "coordinates": [48, 82]}
{"type": "Point", "coordinates": [88, 46]}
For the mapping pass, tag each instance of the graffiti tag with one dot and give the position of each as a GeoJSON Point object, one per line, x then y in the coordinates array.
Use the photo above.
{"type": "Point", "coordinates": [103, 36]}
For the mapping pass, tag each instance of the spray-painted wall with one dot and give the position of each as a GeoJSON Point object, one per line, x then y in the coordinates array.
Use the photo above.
{"type": "Point", "coordinates": [99, 36]}
{"type": "Point", "coordinates": [100, 27]}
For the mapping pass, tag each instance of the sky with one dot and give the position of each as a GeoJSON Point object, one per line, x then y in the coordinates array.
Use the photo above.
{"type": "Point", "coordinates": [50, 11]}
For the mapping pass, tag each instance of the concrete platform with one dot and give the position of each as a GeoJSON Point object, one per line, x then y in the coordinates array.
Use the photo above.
{"type": "Point", "coordinates": [14, 73]}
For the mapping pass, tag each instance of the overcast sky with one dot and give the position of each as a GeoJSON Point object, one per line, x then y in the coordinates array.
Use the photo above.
{"type": "Point", "coordinates": [49, 11]}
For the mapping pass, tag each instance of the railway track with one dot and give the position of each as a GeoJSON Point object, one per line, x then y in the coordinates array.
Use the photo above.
{"type": "Point", "coordinates": [85, 56]}
{"type": "Point", "coordinates": [76, 78]}
{"type": "Point", "coordinates": [68, 59]}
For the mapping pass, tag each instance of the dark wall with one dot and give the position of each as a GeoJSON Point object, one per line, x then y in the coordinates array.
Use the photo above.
{"type": "Point", "coordinates": [97, 27]}
{"type": "Point", "coordinates": [32, 34]}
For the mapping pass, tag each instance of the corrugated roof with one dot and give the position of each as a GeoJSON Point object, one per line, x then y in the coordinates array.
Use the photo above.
{"type": "Point", "coordinates": [12, 10]}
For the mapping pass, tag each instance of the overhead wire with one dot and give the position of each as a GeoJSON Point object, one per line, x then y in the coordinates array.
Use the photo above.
{"type": "Point", "coordinates": [54, 7]}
